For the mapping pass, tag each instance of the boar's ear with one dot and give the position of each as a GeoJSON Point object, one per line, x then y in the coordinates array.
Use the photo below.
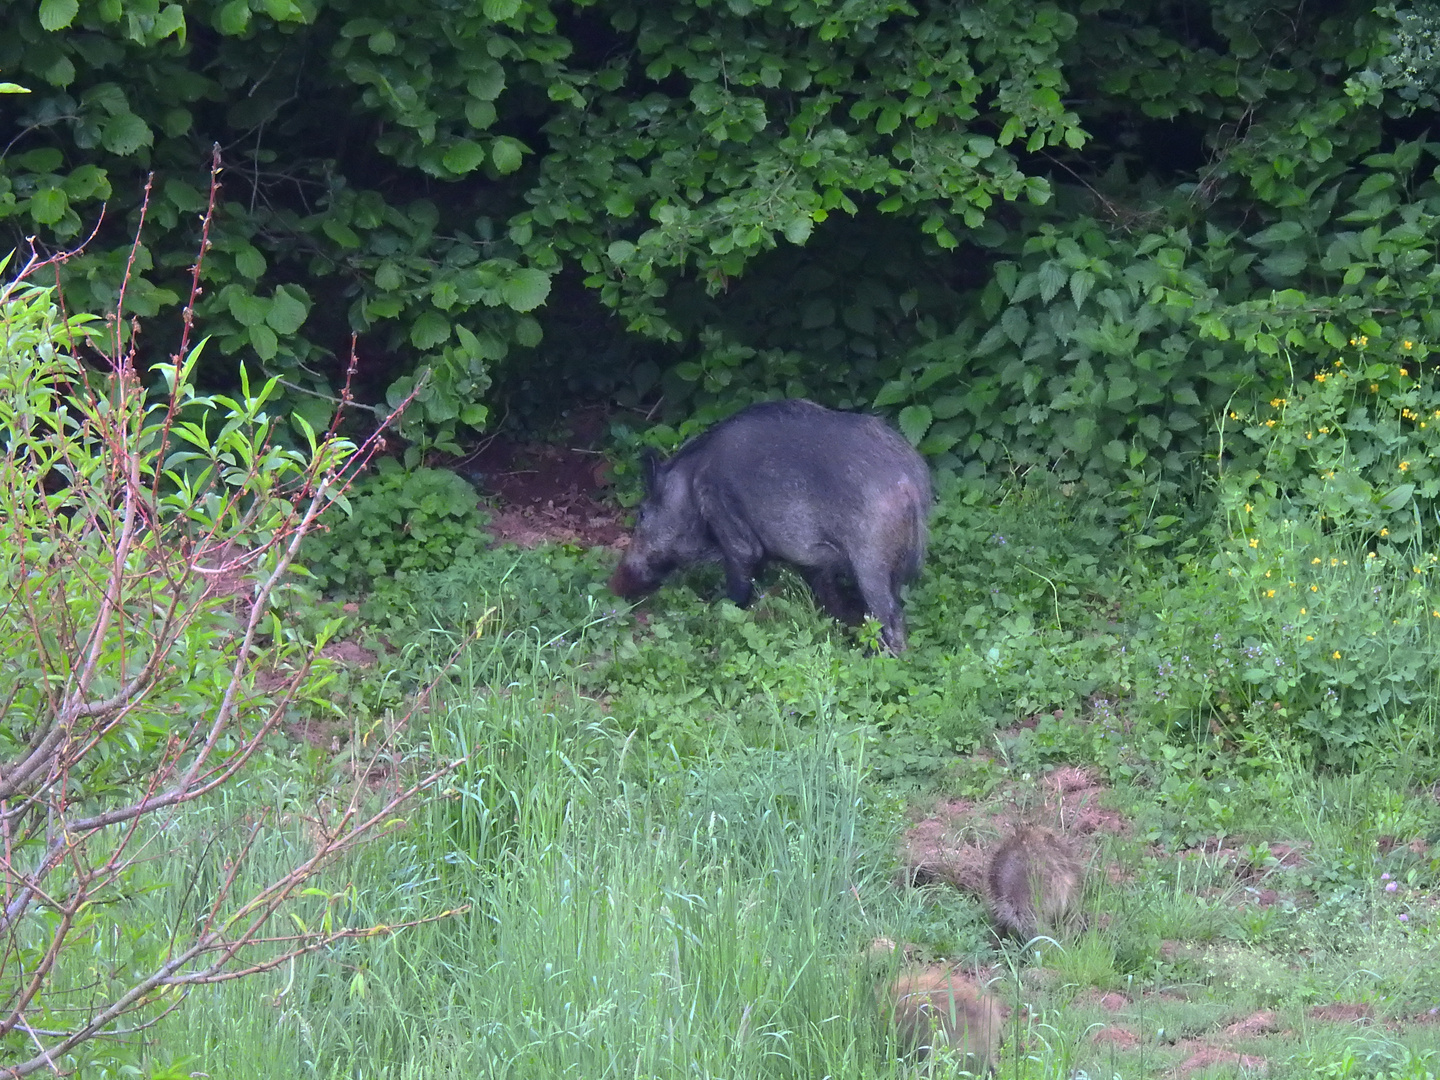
{"type": "Point", "coordinates": [649, 468]}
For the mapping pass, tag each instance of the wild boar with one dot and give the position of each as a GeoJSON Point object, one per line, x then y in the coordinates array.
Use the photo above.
{"type": "Point", "coordinates": [840, 496]}
{"type": "Point", "coordinates": [1033, 883]}
{"type": "Point", "coordinates": [934, 1008]}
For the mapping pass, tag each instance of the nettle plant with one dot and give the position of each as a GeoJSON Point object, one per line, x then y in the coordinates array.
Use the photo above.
{"type": "Point", "coordinates": [397, 521]}
{"type": "Point", "coordinates": [1332, 553]}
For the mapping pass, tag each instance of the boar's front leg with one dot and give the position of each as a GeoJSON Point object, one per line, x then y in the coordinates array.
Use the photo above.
{"type": "Point", "coordinates": [741, 552]}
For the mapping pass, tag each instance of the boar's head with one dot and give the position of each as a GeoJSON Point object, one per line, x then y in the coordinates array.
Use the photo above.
{"type": "Point", "coordinates": [669, 530]}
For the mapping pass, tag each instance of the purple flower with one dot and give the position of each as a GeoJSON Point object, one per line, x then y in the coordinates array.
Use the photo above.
{"type": "Point", "coordinates": [1384, 877]}
{"type": "Point", "coordinates": [1404, 917]}
{"type": "Point", "coordinates": [1392, 886]}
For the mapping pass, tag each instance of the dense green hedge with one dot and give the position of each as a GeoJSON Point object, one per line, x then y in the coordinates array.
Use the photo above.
{"type": "Point", "coordinates": [1073, 234]}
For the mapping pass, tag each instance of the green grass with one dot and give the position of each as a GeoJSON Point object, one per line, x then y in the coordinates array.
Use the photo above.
{"type": "Point", "coordinates": [677, 838]}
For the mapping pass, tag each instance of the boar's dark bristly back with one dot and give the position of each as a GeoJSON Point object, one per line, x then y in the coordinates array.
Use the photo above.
{"type": "Point", "coordinates": [840, 496]}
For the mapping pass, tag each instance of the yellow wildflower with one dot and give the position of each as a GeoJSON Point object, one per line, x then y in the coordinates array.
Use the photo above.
{"type": "Point", "coordinates": [1315, 561]}
{"type": "Point", "coordinates": [1254, 543]}
{"type": "Point", "coordinates": [1335, 655]}
{"type": "Point", "coordinates": [1334, 562]}
{"type": "Point", "coordinates": [1269, 423]}
{"type": "Point", "coordinates": [1404, 466]}
{"type": "Point", "coordinates": [1370, 555]}
{"type": "Point", "coordinates": [1314, 588]}
{"type": "Point", "coordinates": [1404, 373]}
{"type": "Point", "coordinates": [1407, 344]}
{"type": "Point", "coordinates": [1303, 611]}
{"type": "Point", "coordinates": [1339, 363]}
{"type": "Point", "coordinates": [1309, 637]}
{"type": "Point", "coordinates": [1320, 377]}
{"type": "Point", "coordinates": [1384, 532]}
{"type": "Point", "coordinates": [1269, 593]}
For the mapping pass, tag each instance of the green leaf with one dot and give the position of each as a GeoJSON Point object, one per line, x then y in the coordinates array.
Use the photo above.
{"type": "Point", "coordinates": [1081, 282]}
{"type": "Point", "coordinates": [1280, 233]}
{"type": "Point", "coordinates": [1015, 323]}
{"type": "Point", "coordinates": [250, 263]}
{"type": "Point", "coordinates": [1082, 435]}
{"type": "Point", "coordinates": [487, 81]}
{"type": "Point", "coordinates": [88, 181]}
{"type": "Point", "coordinates": [246, 308]}
{"type": "Point", "coordinates": [44, 159]}
{"type": "Point", "coordinates": [526, 289]}
{"type": "Point", "coordinates": [341, 233]}
{"type": "Point", "coordinates": [124, 133]}
{"type": "Point", "coordinates": [1399, 497]}
{"type": "Point", "coordinates": [528, 332]}
{"type": "Point", "coordinates": [264, 342]}
{"type": "Point", "coordinates": [171, 20]}
{"type": "Point", "coordinates": [388, 277]}
{"type": "Point", "coordinates": [287, 311]}
{"type": "Point", "coordinates": [619, 204]}
{"type": "Point", "coordinates": [233, 18]}
{"type": "Point", "coordinates": [58, 14]}
{"type": "Point", "coordinates": [479, 114]}
{"type": "Point", "coordinates": [798, 229]}
{"type": "Point", "coordinates": [915, 420]}
{"type": "Point", "coordinates": [1052, 280]}
{"type": "Point", "coordinates": [508, 154]}
{"type": "Point", "coordinates": [892, 393]}
{"type": "Point", "coordinates": [48, 205]}
{"type": "Point", "coordinates": [13, 88]}
{"type": "Point", "coordinates": [429, 330]}
{"type": "Point", "coordinates": [500, 10]}
{"type": "Point", "coordinates": [464, 157]}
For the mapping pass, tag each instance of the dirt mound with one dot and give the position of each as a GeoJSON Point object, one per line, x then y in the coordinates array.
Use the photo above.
{"type": "Point", "coordinates": [545, 492]}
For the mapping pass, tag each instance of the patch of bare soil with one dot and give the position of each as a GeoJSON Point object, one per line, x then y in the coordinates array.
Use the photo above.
{"type": "Point", "coordinates": [1261, 1023]}
{"type": "Point", "coordinates": [1118, 1037]}
{"type": "Point", "coordinates": [951, 844]}
{"type": "Point", "coordinates": [1109, 1001]}
{"type": "Point", "coordinates": [1343, 1013]}
{"type": "Point", "coordinates": [547, 493]}
{"type": "Point", "coordinates": [1204, 1057]}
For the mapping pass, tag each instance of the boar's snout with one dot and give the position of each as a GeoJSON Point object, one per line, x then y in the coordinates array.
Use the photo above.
{"type": "Point", "coordinates": [627, 584]}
